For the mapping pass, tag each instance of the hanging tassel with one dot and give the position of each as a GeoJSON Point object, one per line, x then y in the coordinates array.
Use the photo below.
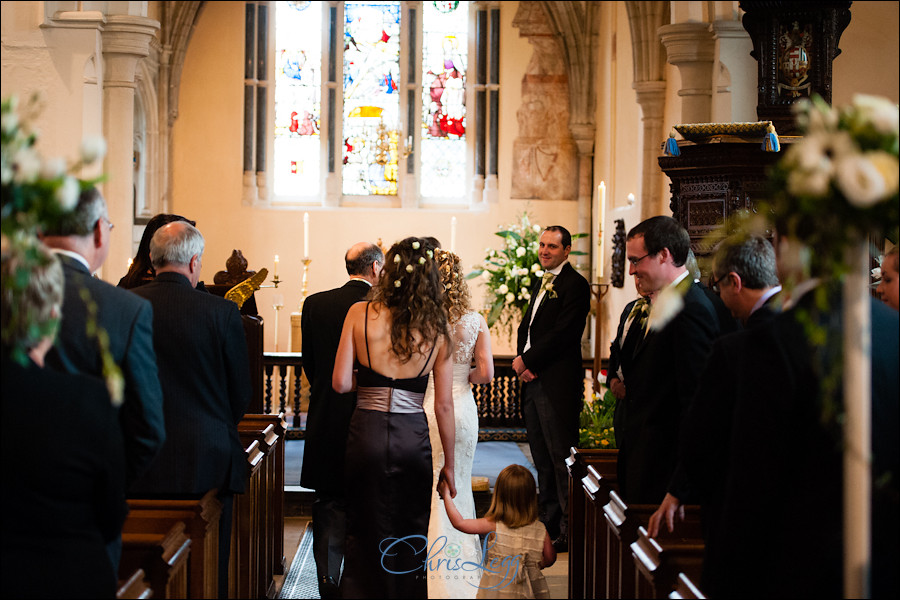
{"type": "Point", "coordinates": [671, 146]}
{"type": "Point", "coordinates": [771, 143]}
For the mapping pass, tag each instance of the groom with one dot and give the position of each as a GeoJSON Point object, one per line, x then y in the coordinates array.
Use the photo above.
{"type": "Point", "coordinates": [549, 366]}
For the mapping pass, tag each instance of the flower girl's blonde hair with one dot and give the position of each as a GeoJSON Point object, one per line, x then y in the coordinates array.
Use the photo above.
{"type": "Point", "coordinates": [515, 498]}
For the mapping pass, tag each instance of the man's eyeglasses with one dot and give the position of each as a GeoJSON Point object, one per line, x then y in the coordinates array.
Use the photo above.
{"type": "Point", "coordinates": [714, 286]}
{"type": "Point", "coordinates": [108, 222]}
{"type": "Point", "coordinates": [634, 261]}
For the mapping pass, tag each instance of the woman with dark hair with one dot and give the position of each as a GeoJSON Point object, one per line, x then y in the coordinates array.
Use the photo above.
{"type": "Point", "coordinates": [65, 498]}
{"type": "Point", "coordinates": [388, 347]}
{"type": "Point", "coordinates": [141, 271]}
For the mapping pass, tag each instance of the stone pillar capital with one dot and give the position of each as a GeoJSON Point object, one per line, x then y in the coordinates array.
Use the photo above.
{"type": "Point", "coordinates": [126, 39]}
{"type": "Point", "coordinates": [688, 42]}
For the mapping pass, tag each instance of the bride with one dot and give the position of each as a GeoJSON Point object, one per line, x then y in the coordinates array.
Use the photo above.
{"type": "Point", "coordinates": [449, 550]}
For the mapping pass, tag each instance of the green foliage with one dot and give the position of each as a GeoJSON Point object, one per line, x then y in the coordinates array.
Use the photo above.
{"type": "Point", "coordinates": [596, 422]}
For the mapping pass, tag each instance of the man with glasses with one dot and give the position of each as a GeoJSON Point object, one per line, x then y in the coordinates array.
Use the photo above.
{"type": "Point", "coordinates": [81, 241]}
{"type": "Point", "coordinates": [665, 365]}
{"type": "Point", "coordinates": [746, 279]}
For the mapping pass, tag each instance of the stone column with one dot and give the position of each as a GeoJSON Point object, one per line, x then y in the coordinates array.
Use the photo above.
{"type": "Point", "coordinates": [734, 51]}
{"type": "Point", "coordinates": [126, 39]}
{"type": "Point", "coordinates": [691, 47]}
{"type": "Point", "coordinates": [583, 135]}
{"type": "Point", "coordinates": [651, 95]}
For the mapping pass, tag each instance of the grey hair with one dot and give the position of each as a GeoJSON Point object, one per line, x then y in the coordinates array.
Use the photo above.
{"type": "Point", "coordinates": [750, 256]}
{"type": "Point", "coordinates": [363, 261]}
{"type": "Point", "coordinates": [30, 310]}
{"type": "Point", "coordinates": [83, 218]}
{"type": "Point", "coordinates": [176, 243]}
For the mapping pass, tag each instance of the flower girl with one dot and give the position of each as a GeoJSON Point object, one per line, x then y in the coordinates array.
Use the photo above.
{"type": "Point", "coordinates": [519, 547]}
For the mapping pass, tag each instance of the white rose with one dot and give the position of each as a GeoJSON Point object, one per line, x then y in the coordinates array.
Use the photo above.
{"type": "Point", "coordinates": [510, 297]}
{"type": "Point", "coordinates": [526, 295]}
{"type": "Point", "coordinates": [889, 168]}
{"type": "Point", "coordinates": [10, 123]}
{"type": "Point", "coordinates": [668, 304]}
{"type": "Point", "coordinates": [67, 193]}
{"type": "Point", "coordinates": [539, 273]}
{"type": "Point", "coordinates": [53, 168]}
{"type": "Point", "coordinates": [502, 261]}
{"type": "Point", "coordinates": [535, 268]}
{"type": "Point", "coordinates": [520, 251]}
{"type": "Point", "coordinates": [526, 281]}
{"type": "Point", "coordinates": [809, 183]}
{"type": "Point", "coordinates": [536, 228]}
{"type": "Point", "coordinates": [27, 165]}
{"type": "Point", "coordinates": [859, 180]}
{"type": "Point", "coordinates": [502, 289]}
{"type": "Point", "coordinates": [486, 275]}
{"type": "Point", "coordinates": [93, 148]}
{"type": "Point", "coordinates": [881, 112]}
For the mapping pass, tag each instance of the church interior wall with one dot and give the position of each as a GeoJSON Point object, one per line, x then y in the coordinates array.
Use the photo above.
{"type": "Point", "coordinates": [66, 64]}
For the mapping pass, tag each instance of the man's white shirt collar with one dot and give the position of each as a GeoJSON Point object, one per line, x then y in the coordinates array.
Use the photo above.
{"type": "Point", "coordinates": [764, 298]}
{"type": "Point", "coordinates": [366, 281]}
{"type": "Point", "coordinates": [74, 255]}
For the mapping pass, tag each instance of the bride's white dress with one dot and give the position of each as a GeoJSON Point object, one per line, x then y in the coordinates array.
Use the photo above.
{"type": "Point", "coordinates": [449, 549]}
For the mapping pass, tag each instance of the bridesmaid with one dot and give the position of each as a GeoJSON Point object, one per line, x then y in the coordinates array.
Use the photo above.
{"type": "Point", "coordinates": [388, 348]}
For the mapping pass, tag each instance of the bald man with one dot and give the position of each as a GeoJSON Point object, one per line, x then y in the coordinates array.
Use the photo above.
{"type": "Point", "coordinates": [328, 419]}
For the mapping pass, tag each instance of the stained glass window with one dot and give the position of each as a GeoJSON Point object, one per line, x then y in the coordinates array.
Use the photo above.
{"type": "Point", "coordinates": [371, 97]}
{"type": "Point", "coordinates": [298, 60]}
{"type": "Point", "coordinates": [337, 67]}
{"type": "Point", "coordinates": [444, 65]}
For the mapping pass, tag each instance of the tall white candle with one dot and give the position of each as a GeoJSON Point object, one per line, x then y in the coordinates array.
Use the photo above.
{"type": "Point", "coordinates": [601, 218]}
{"type": "Point", "coordinates": [306, 235]}
{"type": "Point", "coordinates": [275, 268]}
{"type": "Point", "coordinates": [453, 234]}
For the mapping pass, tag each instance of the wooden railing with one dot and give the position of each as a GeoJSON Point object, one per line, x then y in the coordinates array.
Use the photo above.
{"type": "Point", "coordinates": [499, 402]}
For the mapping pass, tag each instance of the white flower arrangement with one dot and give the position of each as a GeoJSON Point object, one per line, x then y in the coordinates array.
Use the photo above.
{"type": "Point", "coordinates": [839, 183]}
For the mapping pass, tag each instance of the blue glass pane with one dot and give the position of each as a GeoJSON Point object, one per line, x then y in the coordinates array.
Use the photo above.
{"type": "Point", "coordinates": [298, 55]}
{"type": "Point", "coordinates": [371, 97]}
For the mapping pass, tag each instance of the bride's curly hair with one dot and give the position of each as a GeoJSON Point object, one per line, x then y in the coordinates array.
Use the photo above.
{"type": "Point", "coordinates": [411, 289]}
{"type": "Point", "coordinates": [457, 300]}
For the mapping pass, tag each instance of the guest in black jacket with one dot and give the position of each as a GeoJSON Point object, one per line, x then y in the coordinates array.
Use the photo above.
{"type": "Point", "coordinates": [204, 371]}
{"type": "Point", "coordinates": [65, 492]}
{"type": "Point", "coordinates": [328, 419]}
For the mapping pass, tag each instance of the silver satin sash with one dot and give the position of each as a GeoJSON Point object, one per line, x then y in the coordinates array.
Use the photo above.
{"type": "Point", "coordinates": [392, 400]}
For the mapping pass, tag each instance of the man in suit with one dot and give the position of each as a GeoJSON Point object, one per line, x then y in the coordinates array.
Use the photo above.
{"type": "Point", "coordinates": [328, 418]}
{"type": "Point", "coordinates": [632, 327]}
{"type": "Point", "coordinates": [203, 367]}
{"type": "Point", "coordinates": [767, 465]}
{"type": "Point", "coordinates": [549, 365]}
{"type": "Point", "coordinates": [81, 241]}
{"type": "Point", "coordinates": [745, 277]}
{"type": "Point", "coordinates": [666, 363]}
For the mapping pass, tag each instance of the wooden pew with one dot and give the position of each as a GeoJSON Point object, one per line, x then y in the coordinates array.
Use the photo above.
{"type": "Point", "coordinates": [623, 522]}
{"type": "Point", "coordinates": [162, 556]}
{"type": "Point", "coordinates": [597, 485]}
{"type": "Point", "coordinates": [244, 564]}
{"type": "Point", "coordinates": [201, 519]}
{"type": "Point", "coordinates": [686, 589]}
{"type": "Point", "coordinates": [659, 560]}
{"type": "Point", "coordinates": [268, 432]}
{"type": "Point", "coordinates": [577, 463]}
{"type": "Point", "coordinates": [134, 587]}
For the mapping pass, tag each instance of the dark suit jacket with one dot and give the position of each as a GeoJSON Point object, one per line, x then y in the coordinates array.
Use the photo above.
{"type": "Point", "coordinates": [660, 385]}
{"type": "Point", "coordinates": [766, 469]}
{"type": "Point", "coordinates": [204, 370]}
{"type": "Point", "coordinates": [555, 352]}
{"type": "Point", "coordinates": [621, 354]}
{"type": "Point", "coordinates": [129, 322]}
{"type": "Point", "coordinates": [328, 419]}
{"type": "Point", "coordinates": [766, 312]}
{"type": "Point", "coordinates": [65, 490]}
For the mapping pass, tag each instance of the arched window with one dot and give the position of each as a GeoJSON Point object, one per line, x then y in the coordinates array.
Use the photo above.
{"type": "Point", "coordinates": [371, 103]}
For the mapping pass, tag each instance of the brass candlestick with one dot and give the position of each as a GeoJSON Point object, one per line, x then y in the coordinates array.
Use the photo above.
{"type": "Point", "coordinates": [598, 291]}
{"type": "Point", "coordinates": [305, 280]}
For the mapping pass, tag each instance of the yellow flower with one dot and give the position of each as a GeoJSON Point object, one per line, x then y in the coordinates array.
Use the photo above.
{"type": "Point", "coordinates": [604, 442]}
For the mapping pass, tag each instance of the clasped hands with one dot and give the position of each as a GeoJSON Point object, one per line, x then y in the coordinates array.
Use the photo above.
{"type": "Point", "coordinates": [446, 484]}
{"type": "Point", "coordinates": [522, 372]}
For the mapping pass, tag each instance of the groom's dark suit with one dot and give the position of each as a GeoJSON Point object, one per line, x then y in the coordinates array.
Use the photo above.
{"type": "Point", "coordinates": [553, 401]}
{"type": "Point", "coordinates": [660, 384]}
{"type": "Point", "coordinates": [327, 422]}
{"type": "Point", "coordinates": [128, 320]}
